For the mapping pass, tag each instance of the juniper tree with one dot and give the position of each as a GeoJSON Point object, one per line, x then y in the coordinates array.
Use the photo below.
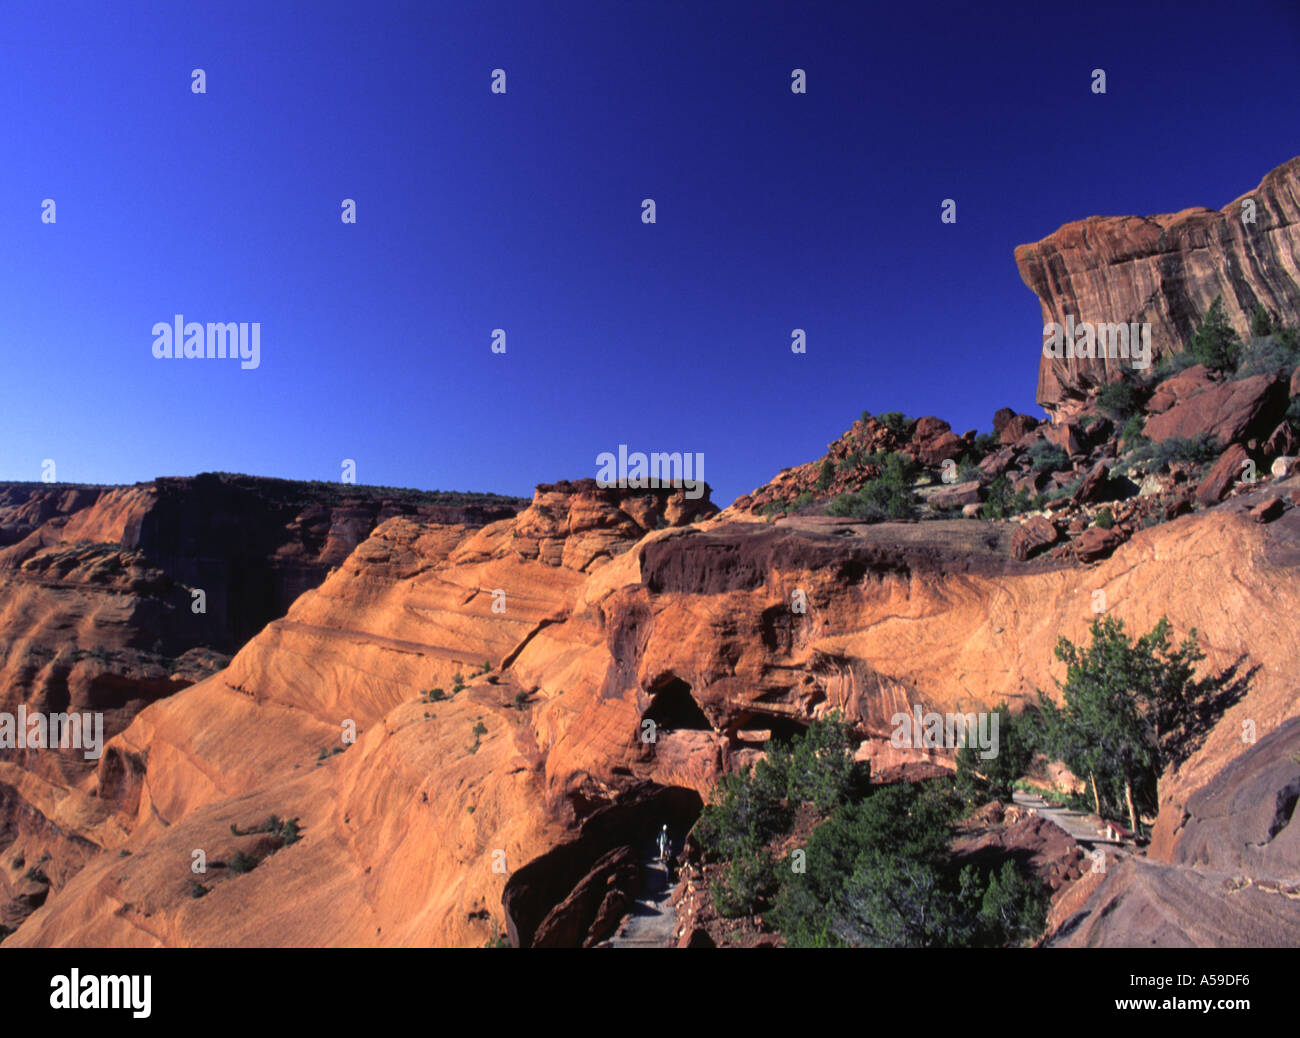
{"type": "Point", "coordinates": [1214, 343]}
{"type": "Point", "coordinates": [1128, 707]}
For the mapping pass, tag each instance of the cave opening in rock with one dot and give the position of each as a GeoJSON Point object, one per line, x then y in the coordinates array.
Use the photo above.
{"type": "Point", "coordinates": [577, 893]}
{"type": "Point", "coordinates": [672, 707]}
{"type": "Point", "coordinates": [783, 729]}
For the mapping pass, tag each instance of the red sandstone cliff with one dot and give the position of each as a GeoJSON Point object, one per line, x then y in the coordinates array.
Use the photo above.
{"type": "Point", "coordinates": [1166, 270]}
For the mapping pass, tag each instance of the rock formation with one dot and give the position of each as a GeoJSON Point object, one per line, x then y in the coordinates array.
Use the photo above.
{"type": "Point", "coordinates": [1165, 270]}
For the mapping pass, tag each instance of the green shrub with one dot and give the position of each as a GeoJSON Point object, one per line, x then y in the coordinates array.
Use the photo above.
{"type": "Point", "coordinates": [1120, 400]}
{"type": "Point", "coordinates": [896, 422]}
{"type": "Point", "coordinates": [1130, 709]}
{"type": "Point", "coordinates": [1013, 909]}
{"type": "Point", "coordinates": [746, 809]}
{"type": "Point", "coordinates": [819, 765]}
{"type": "Point", "coordinates": [1275, 355]}
{"type": "Point", "coordinates": [872, 874]}
{"type": "Point", "coordinates": [746, 882]}
{"type": "Point", "coordinates": [1131, 434]}
{"type": "Point", "coordinates": [1105, 520]}
{"type": "Point", "coordinates": [1000, 501]}
{"type": "Point", "coordinates": [1045, 457]}
{"type": "Point", "coordinates": [803, 500]}
{"type": "Point", "coordinates": [197, 889]}
{"type": "Point", "coordinates": [1195, 451]}
{"type": "Point", "coordinates": [888, 496]}
{"type": "Point", "coordinates": [1261, 323]}
{"type": "Point", "coordinates": [987, 443]}
{"type": "Point", "coordinates": [980, 780]}
{"type": "Point", "coordinates": [1214, 342]}
{"type": "Point", "coordinates": [242, 863]}
{"type": "Point", "coordinates": [827, 474]}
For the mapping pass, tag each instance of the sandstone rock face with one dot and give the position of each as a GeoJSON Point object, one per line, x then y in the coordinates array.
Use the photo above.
{"type": "Point", "coordinates": [1222, 872]}
{"type": "Point", "coordinates": [1229, 411]}
{"type": "Point", "coordinates": [688, 626]}
{"type": "Point", "coordinates": [1165, 270]}
{"type": "Point", "coordinates": [1045, 850]}
{"type": "Point", "coordinates": [96, 615]}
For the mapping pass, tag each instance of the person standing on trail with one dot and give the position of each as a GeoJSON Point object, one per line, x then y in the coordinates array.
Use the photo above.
{"type": "Point", "coordinates": [664, 843]}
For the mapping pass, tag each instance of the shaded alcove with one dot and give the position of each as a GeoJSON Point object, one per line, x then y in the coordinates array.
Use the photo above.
{"type": "Point", "coordinates": [783, 729]}
{"type": "Point", "coordinates": [673, 708]}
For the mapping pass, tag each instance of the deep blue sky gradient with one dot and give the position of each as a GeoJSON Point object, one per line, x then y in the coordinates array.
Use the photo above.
{"type": "Point", "coordinates": [478, 211]}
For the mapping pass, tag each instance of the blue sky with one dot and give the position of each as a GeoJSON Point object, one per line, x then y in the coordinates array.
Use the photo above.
{"type": "Point", "coordinates": [522, 211]}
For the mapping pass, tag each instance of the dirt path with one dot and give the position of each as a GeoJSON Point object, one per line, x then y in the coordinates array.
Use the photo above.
{"type": "Point", "coordinates": [1083, 827]}
{"type": "Point", "coordinates": [652, 922]}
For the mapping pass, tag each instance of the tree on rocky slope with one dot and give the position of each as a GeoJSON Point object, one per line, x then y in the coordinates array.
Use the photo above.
{"type": "Point", "coordinates": [1127, 707]}
{"type": "Point", "coordinates": [994, 778]}
{"type": "Point", "coordinates": [1215, 344]}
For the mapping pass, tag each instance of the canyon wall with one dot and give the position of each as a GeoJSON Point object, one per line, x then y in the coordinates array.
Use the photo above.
{"type": "Point", "coordinates": [615, 608]}
{"type": "Point", "coordinates": [1166, 270]}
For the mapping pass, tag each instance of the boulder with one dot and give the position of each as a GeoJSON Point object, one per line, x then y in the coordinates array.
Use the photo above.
{"type": "Point", "coordinates": [1095, 543]}
{"type": "Point", "coordinates": [1004, 414]}
{"type": "Point", "coordinates": [1016, 428]}
{"type": "Point", "coordinates": [997, 463]}
{"type": "Point", "coordinates": [1283, 467]}
{"type": "Point", "coordinates": [1181, 505]}
{"type": "Point", "coordinates": [958, 495]}
{"type": "Point", "coordinates": [1065, 435]}
{"type": "Point", "coordinates": [1283, 440]}
{"type": "Point", "coordinates": [934, 442]}
{"type": "Point", "coordinates": [1094, 485]}
{"type": "Point", "coordinates": [1231, 412]}
{"type": "Point", "coordinates": [1225, 472]}
{"type": "Point", "coordinates": [1177, 388]}
{"type": "Point", "coordinates": [1098, 431]}
{"type": "Point", "coordinates": [1267, 510]}
{"type": "Point", "coordinates": [1153, 485]}
{"type": "Point", "coordinates": [1031, 537]}
{"type": "Point", "coordinates": [1031, 482]}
